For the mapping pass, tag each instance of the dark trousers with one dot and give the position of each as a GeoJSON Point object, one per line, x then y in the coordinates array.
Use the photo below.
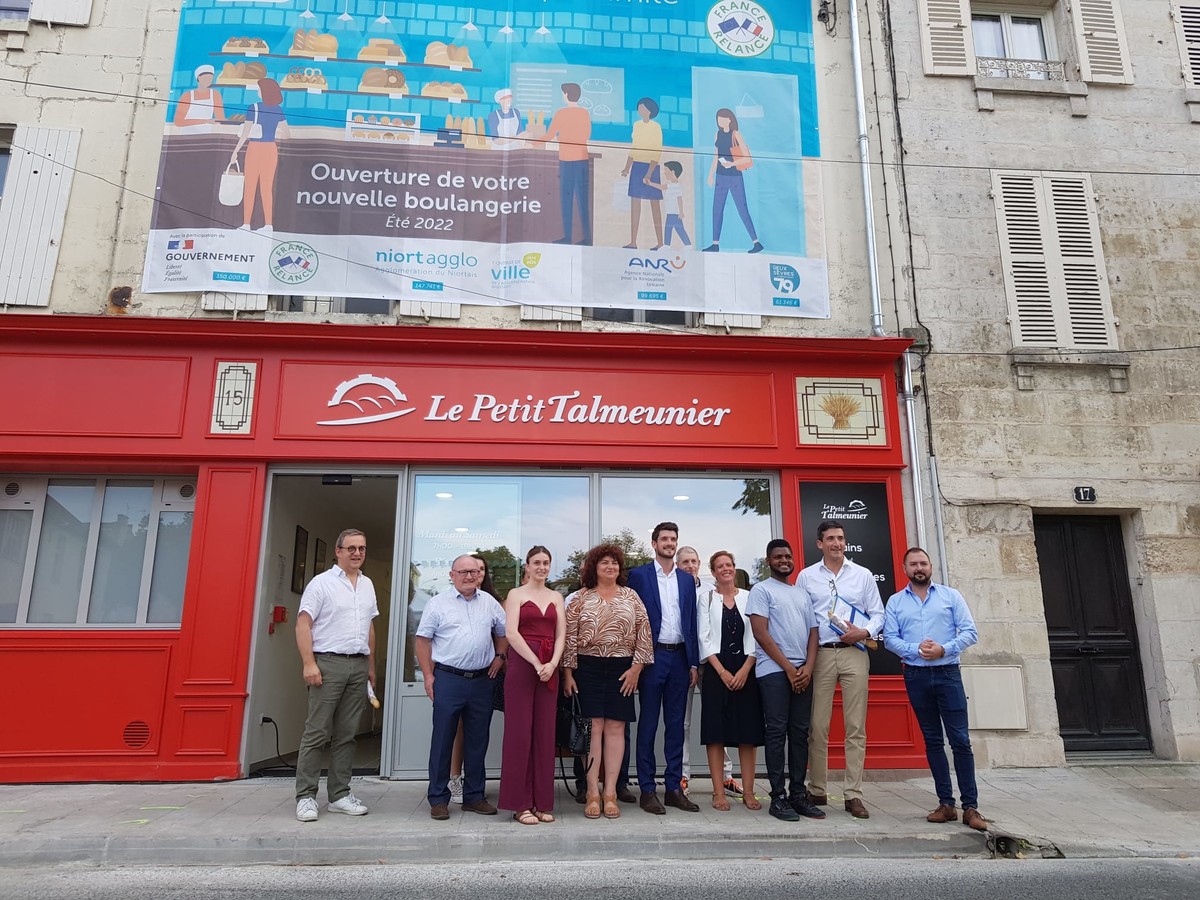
{"type": "Point", "coordinates": [572, 190]}
{"type": "Point", "coordinates": [938, 699]}
{"type": "Point", "coordinates": [662, 691]}
{"type": "Point", "coordinates": [580, 769]}
{"type": "Point", "coordinates": [786, 715]}
{"type": "Point", "coordinates": [470, 700]}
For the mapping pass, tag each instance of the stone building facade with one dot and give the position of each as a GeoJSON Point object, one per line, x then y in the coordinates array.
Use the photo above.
{"type": "Point", "coordinates": [1033, 186]}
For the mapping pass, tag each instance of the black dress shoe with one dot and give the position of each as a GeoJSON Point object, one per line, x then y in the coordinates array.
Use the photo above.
{"type": "Point", "coordinates": [679, 800]}
{"type": "Point", "coordinates": [625, 795]}
{"type": "Point", "coordinates": [817, 799]}
{"type": "Point", "coordinates": [581, 796]}
{"type": "Point", "coordinates": [650, 803]}
{"type": "Point", "coordinates": [806, 807]}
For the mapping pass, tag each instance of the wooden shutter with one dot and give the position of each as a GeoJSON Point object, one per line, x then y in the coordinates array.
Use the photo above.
{"type": "Point", "coordinates": [732, 320]}
{"type": "Point", "coordinates": [1054, 274]}
{"type": "Point", "coordinates": [1100, 42]}
{"type": "Point", "coordinates": [223, 301]}
{"type": "Point", "coordinates": [1021, 215]}
{"type": "Point", "coordinates": [61, 12]}
{"type": "Point", "coordinates": [426, 309]}
{"type": "Point", "coordinates": [1088, 314]}
{"type": "Point", "coordinates": [1187, 32]}
{"type": "Point", "coordinates": [551, 313]}
{"type": "Point", "coordinates": [32, 211]}
{"type": "Point", "coordinates": [946, 45]}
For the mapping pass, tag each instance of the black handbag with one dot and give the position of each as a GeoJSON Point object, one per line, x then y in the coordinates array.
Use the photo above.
{"type": "Point", "coordinates": [573, 729]}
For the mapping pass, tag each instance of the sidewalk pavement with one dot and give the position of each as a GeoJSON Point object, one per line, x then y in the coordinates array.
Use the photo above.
{"type": "Point", "coordinates": [1087, 811]}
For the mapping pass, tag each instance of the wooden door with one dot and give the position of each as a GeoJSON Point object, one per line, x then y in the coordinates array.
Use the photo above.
{"type": "Point", "coordinates": [1094, 656]}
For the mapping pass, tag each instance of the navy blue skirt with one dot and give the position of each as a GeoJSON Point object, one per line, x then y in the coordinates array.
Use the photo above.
{"type": "Point", "coordinates": [599, 681]}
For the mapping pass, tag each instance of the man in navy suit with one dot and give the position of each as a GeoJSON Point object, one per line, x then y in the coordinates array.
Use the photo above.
{"type": "Point", "coordinates": [669, 595]}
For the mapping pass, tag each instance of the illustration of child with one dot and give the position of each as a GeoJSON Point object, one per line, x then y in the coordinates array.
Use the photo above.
{"type": "Point", "coordinates": [673, 201]}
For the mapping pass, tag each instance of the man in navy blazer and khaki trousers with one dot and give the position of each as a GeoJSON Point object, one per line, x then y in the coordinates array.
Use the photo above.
{"type": "Point", "coordinates": [669, 595]}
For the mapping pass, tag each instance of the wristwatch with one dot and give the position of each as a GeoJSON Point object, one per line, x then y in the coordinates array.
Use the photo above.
{"type": "Point", "coordinates": [503, 656]}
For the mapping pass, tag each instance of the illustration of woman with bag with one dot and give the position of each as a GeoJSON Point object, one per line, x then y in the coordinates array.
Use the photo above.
{"type": "Point", "coordinates": [265, 124]}
{"type": "Point", "coordinates": [732, 159]}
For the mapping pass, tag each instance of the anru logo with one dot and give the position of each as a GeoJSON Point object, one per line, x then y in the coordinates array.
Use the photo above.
{"type": "Point", "coordinates": [362, 393]}
{"type": "Point", "coordinates": [659, 265]}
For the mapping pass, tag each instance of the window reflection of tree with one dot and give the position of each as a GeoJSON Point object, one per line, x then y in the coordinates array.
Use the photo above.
{"type": "Point", "coordinates": [636, 553]}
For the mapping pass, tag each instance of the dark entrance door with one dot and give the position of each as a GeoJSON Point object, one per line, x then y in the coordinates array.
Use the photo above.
{"type": "Point", "coordinates": [1093, 643]}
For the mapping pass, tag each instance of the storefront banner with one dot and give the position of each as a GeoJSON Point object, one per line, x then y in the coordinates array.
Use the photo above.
{"type": "Point", "coordinates": [546, 406]}
{"type": "Point", "coordinates": [599, 153]}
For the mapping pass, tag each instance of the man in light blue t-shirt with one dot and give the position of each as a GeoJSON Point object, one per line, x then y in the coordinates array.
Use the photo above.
{"type": "Point", "coordinates": [785, 628]}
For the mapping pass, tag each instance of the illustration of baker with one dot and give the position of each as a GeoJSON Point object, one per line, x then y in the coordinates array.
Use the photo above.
{"type": "Point", "coordinates": [202, 105]}
{"type": "Point", "coordinates": [504, 123]}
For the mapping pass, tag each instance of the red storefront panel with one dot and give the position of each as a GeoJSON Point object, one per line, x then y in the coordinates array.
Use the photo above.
{"type": "Point", "coordinates": [137, 396]}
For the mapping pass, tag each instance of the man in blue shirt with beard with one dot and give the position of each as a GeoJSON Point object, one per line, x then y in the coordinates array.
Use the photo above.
{"type": "Point", "coordinates": [928, 626]}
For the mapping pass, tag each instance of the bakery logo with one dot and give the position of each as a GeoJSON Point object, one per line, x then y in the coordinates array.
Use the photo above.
{"type": "Point", "coordinates": [294, 262]}
{"type": "Point", "coordinates": [740, 28]}
{"type": "Point", "coordinates": [855, 509]}
{"type": "Point", "coordinates": [366, 394]}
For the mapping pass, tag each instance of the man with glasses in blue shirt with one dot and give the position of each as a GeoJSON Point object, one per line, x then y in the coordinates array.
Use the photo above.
{"type": "Point", "coordinates": [928, 626]}
{"type": "Point", "coordinates": [335, 634]}
{"type": "Point", "coordinates": [461, 647]}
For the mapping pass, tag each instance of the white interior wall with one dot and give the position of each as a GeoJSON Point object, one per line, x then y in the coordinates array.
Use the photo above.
{"type": "Point", "coordinates": [276, 687]}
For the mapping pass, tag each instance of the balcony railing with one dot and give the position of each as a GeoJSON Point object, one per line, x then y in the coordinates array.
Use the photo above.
{"type": "Point", "coordinates": [1035, 69]}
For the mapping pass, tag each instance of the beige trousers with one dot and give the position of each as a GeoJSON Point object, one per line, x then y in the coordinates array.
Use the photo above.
{"type": "Point", "coordinates": [851, 668]}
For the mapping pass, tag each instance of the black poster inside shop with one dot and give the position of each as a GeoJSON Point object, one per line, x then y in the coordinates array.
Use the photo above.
{"type": "Point", "coordinates": [863, 509]}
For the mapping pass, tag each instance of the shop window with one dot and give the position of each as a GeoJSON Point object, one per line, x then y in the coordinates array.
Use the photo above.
{"type": "Point", "coordinates": [94, 551]}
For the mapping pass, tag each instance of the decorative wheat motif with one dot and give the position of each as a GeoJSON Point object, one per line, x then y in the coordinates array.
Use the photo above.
{"type": "Point", "coordinates": [840, 407]}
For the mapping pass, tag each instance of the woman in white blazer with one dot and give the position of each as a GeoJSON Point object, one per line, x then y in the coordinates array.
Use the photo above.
{"type": "Point", "coordinates": [731, 710]}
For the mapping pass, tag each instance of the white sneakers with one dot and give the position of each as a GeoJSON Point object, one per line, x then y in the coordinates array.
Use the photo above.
{"type": "Point", "coordinates": [456, 788]}
{"type": "Point", "coordinates": [349, 805]}
{"type": "Point", "coordinates": [306, 809]}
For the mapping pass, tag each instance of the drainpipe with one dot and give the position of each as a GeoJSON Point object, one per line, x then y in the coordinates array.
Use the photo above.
{"type": "Point", "coordinates": [877, 330]}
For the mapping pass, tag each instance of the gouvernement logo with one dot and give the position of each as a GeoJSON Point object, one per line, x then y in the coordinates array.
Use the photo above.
{"type": "Point", "coordinates": [741, 28]}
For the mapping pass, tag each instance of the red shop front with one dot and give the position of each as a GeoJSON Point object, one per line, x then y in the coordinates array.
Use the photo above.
{"type": "Point", "coordinates": [171, 485]}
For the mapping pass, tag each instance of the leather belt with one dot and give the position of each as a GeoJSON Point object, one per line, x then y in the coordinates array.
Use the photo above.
{"type": "Point", "coordinates": [670, 646]}
{"type": "Point", "coordinates": [461, 673]}
{"type": "Point", "coordinates": [343, 655]}
{"type": "Point", "coordinates": [833, 646]}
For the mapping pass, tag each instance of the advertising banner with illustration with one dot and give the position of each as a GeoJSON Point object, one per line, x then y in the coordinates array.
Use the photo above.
{"type": "Point", "coordinates": [629, 154]}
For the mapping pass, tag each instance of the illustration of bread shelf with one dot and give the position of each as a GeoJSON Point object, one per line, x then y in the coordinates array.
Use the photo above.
{"type": "Point", "coordinates": [372, 125]}
{"type": "Point", "coordinates": [369, 61]}
{"type": "Point", "coordinates": [246, 46]}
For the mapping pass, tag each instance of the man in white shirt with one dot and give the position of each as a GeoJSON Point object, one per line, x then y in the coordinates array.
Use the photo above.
{"type": "Point", "coordinates": [335, 634]}
{"type": "Point", "coordinates": [840, 587]}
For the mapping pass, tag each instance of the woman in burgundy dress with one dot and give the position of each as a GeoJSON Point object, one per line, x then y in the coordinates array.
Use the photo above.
{"type": "Point", "coordinates": [536, 626]}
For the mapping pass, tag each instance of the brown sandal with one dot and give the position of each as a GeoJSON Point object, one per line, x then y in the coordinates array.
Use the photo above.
{"type": "Point", "coordinates": [543, 816]}
{"type": "Point", "coordinates": [591, 809]}
{"type": "Point", "coordinates": [750, 801]}
{"type": "Point", "coordinates": [526, 817]}
{"type": "Point", "coordinates": [719, 802]}
{"type": "Point", "coordinates": [611, 810]}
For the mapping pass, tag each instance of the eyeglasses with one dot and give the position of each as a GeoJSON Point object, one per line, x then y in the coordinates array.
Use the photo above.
{"type": "Point", "coordinates": [354, 549]}
{"type": "Point", "coordinates": [468, 573]}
